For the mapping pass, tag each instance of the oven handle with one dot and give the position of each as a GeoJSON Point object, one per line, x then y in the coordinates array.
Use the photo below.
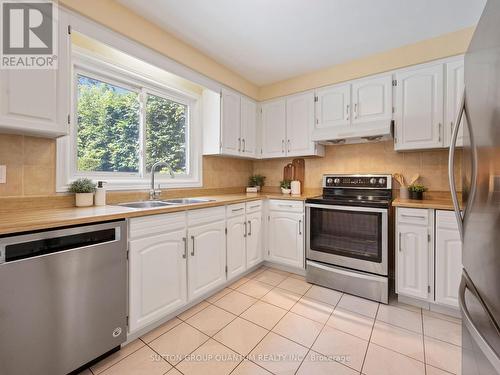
{"type": "Point", "coordinates": [347, 208]}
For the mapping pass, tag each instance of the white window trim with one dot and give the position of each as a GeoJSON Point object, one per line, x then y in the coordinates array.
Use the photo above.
{"type": "Point", "coordinates": [66, 164]}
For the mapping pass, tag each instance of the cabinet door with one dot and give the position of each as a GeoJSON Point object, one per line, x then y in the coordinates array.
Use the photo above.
{"type": "Point", "coordinates": [37, 101]}
{"type": "Point", "coordinates": [236, 254]}
{"type": "Point", "coordinates": [254, 239]}
{"type": "Point", "coordinates": [372, 100]}
{"type": "Point", "coordinates": [454, 91]}
{"type": "Point", "coordinates": [412, 273]}
{"type": "Point", "coordinates": [230, 126]}
{"type": "Point", "coordinates": [157, 277]}
{"type": "Point", "coordinates": [248, 127]}
{"type": "Point", "coordinates": [333, 107]}
{"type": "Point", "coordinates": [419, 108]}
{"type": "Point", "coordinates": [300, 124]}
{"type": "Point", "coordinates": [286, 238]}
{"type": "Point", "coordinates": [273, 128]}
{"type": "Point", "coordinates": [448, 259]}
{"type": "Point", "coordinates": [207, 258]}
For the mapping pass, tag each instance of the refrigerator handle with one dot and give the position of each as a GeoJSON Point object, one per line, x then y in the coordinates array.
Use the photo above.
{"type": "Point", "coordinates": [485, 347]}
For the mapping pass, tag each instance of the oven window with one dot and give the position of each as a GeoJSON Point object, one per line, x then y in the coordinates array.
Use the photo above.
{"type": "Point", "coordinates": [353, 234]}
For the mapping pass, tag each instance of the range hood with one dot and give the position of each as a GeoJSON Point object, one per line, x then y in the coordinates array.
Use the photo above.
{"type": "Point", "coordinates": [358, 133]}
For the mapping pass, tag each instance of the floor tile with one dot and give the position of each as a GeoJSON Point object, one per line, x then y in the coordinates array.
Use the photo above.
{"type": "Point", "coordinates": [211, 320]}
{"type": "Point", "coordinates": [343, 347]}
{"type": "Point", "coordinates": [264, 314]}
{"type": "Point", "coordinates": [212, 358]}
{"type": "Point", "coordinates": [239, 283]}
{"type": "Point", "coordinates": [255, 288]}
{"type": "Point", "coordinates": [116, 357]}
{"type": "Point", "coordinates": [313, 309]}
{"type": "Point", "coordinates": [241, 335]}
{"type": "Point", "coordinates": [429, 370]}
{"type": "Point", "coordinates": [326, 295]}
{"type": "Point", "coordinates": [281, 298]}
{"type": "Point", "coordinates": [318, 364]}
{"type": "Point", "coordinates": [178, 342]}
{"type": "Point", "coordinates": [270, 277]}
{"type": "Point", "coordinates": [398, 339]}
{"type": "Point", "coordinates": [174, 371]}
{"type": "Point", "coordinates": [235, 302]}
{"type": "Point", "coordinates": [249, 368]}
{"type": "Point", "coordinates": [142, 362]}
{"type": "Point", "coordinates": [255, 273]}
{"type": "Point", "coordinates": [217, 296]}
{"type": "Point", "coordinates": [437, 315]}
{"type": "Point", "coordinates": [278, 354]}
{"type": "Point", "coordinates": [359, 305]}
{"type": "Point", "coordinates": [400, 317]}
{"type": "Point", "coordinates": [382, 361]}
{"type": "Point", "coordinates": [444, 330]}
{"type": "Point", "coordinates": [193, 310]}
{"type": "Point", "coordinates": [351, 322]}
{"type": "Point", "coordinates": [157, 332]}
{"type": "Point", "coordinates": [442, 355]}
{"type": "Point", "coordinates": [299, 329]}
{"type": "Point", "coordinates": [298, 277]}
{"type": "Point", "coordinates": [294, 285]}
{"type": "Point", "coordinates": [394, 302]}
{"type": "Point", "coordinates": [281, 272]}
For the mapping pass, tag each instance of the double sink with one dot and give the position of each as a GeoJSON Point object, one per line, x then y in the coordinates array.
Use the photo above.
{"type": "Point", "coordinates": [164, 203]}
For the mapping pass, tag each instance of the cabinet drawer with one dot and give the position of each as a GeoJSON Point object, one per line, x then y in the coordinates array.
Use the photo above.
{"type": "Point", "coordinates": [235, 210]}
{"type": "Point", "coordinates": [156, 224]}
{"type": "Point", "coordinates": [206, 215]}
{"type": "Point", "coordinates": [286, 205]}
{"type": "Point", "coordinates": [253, 206]}
{"type": "Point", "coordinates": [417, 216]}
{"type": "Point", "coordinates": [446, 220]}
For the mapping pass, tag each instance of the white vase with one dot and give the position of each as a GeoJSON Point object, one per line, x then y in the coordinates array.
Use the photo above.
{"type": "Point", "coordinates": [84, 199]}
{"type": "Point", "coordinates": [403, 192]}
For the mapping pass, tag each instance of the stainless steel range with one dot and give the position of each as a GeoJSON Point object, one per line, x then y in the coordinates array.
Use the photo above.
{"type": "Point", "coordinates": [347, 231]}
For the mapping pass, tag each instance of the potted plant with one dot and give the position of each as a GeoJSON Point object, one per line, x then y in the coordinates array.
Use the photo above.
{"type": "Point", "coordinates": [417, 191]}
{"type": "Point", "coordinates": [84, 189]}
{"type": "Point", "coordinates": [285, 186]}
{"type": "Point", "coordinates": [257, 181]}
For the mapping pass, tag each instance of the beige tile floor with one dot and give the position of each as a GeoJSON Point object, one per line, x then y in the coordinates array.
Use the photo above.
{"type": "Point", "coordinates": [273, 322]}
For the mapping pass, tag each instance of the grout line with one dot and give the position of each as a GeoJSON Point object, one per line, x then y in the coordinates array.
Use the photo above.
{"type": "Point", "coordinates": [369, 339]}
{"type": "Point", "coordinates": [423, 340]}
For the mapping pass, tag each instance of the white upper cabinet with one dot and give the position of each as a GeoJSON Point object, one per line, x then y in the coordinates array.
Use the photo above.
{"type": "Point", "coordinates": [230, 127]}
{"type": "Point", "coordinates": [419, 108]}
{"type": "Point", "coordinates": [274, 128]}
{"type": "Point", "coordinates": [37, 101]}
{"type": "Point", "coordinates": [300, 124]}
{"type": "Point", "coordinates": [333, 106]}
{"type": "Point", "coordinates": [454, 90]}
{"type": "Point", "coordinates": [372, 100]}
{"type": "Point", "coordinates": [248, 127]}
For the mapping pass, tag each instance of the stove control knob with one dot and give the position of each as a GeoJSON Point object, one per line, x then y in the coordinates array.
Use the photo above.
{"type": "Point", "coordinates": [373, 180]}
{"type": "Point", "coordinates": [336, 181]}
{"type": "Point", "coordinates": [329, 181]}
{"type": "Point", "coordinates": [381, 181]}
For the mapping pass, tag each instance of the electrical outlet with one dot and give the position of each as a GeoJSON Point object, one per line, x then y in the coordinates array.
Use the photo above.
{"type": "Point", "coordinates": [3, 174]}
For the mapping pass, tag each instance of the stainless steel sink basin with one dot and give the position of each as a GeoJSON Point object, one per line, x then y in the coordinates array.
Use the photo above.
{"type": "Point", "coordinates": [165, 203]}
{"type": "Point", "coordinates": [187, 200]}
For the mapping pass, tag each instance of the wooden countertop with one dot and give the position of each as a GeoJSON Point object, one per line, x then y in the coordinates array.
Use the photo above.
{"type": "Point", "coordinates": [438, 203]}
{"type": "Point", "coordinates": [38, 219]}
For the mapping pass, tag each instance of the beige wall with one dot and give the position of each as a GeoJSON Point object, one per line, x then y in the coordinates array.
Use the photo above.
{"type": "Point", "coordinates": [442, 46]}
{"type": "Point", "coordinates": [367, 158]}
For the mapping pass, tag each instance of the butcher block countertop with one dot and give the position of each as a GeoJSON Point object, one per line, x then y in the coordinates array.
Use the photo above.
{"type": "Point", "coordinates": [441, 201]}
{"type": "Point", "coordinates": [17, 221]}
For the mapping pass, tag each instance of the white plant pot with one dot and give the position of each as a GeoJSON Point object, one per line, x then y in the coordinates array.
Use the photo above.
{"type": "Point", "coordinates": [286, 191]}
{"type": "Point", "coordinates": [84, 199]}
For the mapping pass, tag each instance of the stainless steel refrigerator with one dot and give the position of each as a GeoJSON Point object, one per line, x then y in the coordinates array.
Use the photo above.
{"type": "Point", "coordinates": [479, 219]}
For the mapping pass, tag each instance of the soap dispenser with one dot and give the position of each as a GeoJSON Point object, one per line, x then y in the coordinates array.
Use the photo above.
{"type": "Point", "coordinates": [100, 194]}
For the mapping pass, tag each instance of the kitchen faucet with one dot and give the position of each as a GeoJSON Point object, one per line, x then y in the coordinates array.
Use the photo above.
{"type": "Point", "coordinates": [155, 193]}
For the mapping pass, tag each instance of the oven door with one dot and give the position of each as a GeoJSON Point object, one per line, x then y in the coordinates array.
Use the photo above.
{"type": "Point", "coordinates": [346, 236]}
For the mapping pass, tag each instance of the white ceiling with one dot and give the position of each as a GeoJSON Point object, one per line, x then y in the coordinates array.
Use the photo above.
{"type": "Point", "coordinates": [270, 40]}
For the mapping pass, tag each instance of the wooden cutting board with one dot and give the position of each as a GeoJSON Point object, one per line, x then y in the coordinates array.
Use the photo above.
{"type": "Point", "coordinates": [299, 171]}
{"type": "Point", "coordinates": [288, 172]}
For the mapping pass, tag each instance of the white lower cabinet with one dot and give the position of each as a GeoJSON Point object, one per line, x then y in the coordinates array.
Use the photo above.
{"type": "Point", "coordinates": [254, 239]}
{"type": "Point", "coordinates": [428, 255]}
{"type": "Point", "coordinates": [448, 258]}
{"type": "Point", "coordinates": [286, 233]}
{"type": "Point", "coordinates": [157, 268]}
{"type": "Point", "coordinates": [236, 252]}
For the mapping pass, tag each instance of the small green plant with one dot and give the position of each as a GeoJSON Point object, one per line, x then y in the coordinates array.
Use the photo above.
{"type": "Point", "coordinates": [256, 180]}
{"type": "Point", "coordinates": [82, 185]}
{"type": "Point", "coordinates": [417, 188]}
{"type": "Point", "coordinates": [285, 184]}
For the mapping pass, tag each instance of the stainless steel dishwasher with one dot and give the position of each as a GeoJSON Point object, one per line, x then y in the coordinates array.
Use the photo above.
{"type": "Point", "coordinates": [63, 297]}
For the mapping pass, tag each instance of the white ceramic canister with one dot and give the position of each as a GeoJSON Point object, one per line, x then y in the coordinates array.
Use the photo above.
{"type": "Point", "coordinates": [295, 186]}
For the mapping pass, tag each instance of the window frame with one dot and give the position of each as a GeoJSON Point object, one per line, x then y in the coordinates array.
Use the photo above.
{"type": "Point", "coordinates": [85, 64]}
